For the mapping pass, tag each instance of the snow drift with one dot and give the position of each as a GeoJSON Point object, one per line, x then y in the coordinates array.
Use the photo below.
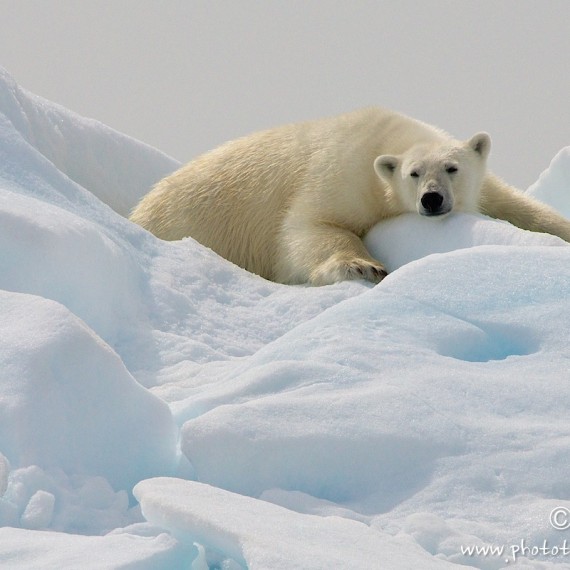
{"type": "Point", "coordinates": [162, 408]}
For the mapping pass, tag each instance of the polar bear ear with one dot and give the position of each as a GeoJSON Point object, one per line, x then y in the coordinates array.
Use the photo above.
{"type": "Point", "coordinates": [480, 143]}
{"type": "Point", "coordinates": [385, 166]}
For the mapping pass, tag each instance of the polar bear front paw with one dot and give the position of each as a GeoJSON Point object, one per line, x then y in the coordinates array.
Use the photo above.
{"type": "Point", "coordinates": [363, 269]}
{"type": "Point", "coordinates": [335, 270]}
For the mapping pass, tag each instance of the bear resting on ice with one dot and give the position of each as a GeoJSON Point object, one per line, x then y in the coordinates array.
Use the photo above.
{"type": "Point", "coordinates": [293, 203]}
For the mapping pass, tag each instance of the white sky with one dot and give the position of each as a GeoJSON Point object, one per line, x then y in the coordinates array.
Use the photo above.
{"type": "Point", "coordinates": [187, 75]}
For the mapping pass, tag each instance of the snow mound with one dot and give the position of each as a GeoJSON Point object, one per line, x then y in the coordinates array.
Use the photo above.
{"type": "Point", "coordinates": [115, 168]}
{"type": "Point", "coordinates": [259, 425]}
{"type": "Point", "coordinates": [553, 186]}
{"type": "Point", "coordinates": [99, 272]}
{"type": "Point", "coordinates": [409, 237]}
{"type": "Point", "coordinates": [67, 401]}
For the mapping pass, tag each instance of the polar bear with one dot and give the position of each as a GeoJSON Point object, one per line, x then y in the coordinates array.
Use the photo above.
{"type": "Point", "coordinates": [293, 203]}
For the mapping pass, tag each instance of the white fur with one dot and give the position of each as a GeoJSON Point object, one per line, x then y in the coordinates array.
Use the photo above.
{"type": "Point", "coordinates": [293, 203]}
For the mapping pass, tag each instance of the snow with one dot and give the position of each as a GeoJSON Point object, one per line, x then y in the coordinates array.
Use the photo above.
{"type": "Point", "coordinates": [237, 526]}
{"type": "Point", "coordinates": [390, 241]}
{"type": "Point", "coordinates": [161, 408]}
{"type": "Point", "coordinates": [553, 185]}
{"type": "Point", "coordinates": [68, 402]}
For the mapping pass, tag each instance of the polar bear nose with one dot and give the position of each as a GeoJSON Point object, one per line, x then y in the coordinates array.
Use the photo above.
{"type": "Point", "coordinates": [431, 202]}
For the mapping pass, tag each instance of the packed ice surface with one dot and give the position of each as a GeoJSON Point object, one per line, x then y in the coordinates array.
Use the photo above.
{"type": "Point", "coordinates": [161, 408]}
{"type": "Point", "coordinates": [216, 517]}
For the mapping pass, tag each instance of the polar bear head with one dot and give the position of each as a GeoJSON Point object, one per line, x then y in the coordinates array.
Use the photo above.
{"type": "Point", "coordinates": [437, 178]}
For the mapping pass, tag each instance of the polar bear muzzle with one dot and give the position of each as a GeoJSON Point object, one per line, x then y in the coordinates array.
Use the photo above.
{"type": "Point", "coordinates": [432, 203]}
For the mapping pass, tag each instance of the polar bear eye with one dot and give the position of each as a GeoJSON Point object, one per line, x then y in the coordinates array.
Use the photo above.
{"type": "Point", "coordinates": [451, 169]}
{"type": "Point", "coordinates": [414, 174]}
